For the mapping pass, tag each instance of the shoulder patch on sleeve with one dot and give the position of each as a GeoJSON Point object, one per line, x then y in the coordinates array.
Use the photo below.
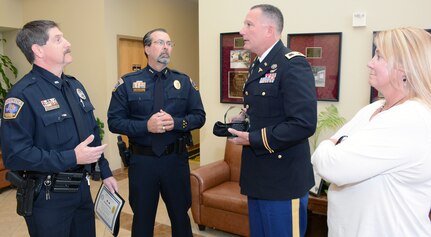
{"type": "Point", "coordinates": [193, 84]}
{"type": "Point", "coordinates": [119, 83]}
{"type": "Point", "coordinates": [294, 54]}
{"type": "Point", "coordinates": [12, 106]}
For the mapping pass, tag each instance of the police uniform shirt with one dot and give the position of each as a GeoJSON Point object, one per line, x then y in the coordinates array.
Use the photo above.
{"type": "Point", "coordinates": [132, 100]}
{"type": "Point", "coordinates": [280, 98]}
{"type": "Point", "coordinates": [38, 130]}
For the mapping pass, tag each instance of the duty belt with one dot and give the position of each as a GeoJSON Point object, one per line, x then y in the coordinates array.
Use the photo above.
{"type": "Point", "coordinates": [148, 150]}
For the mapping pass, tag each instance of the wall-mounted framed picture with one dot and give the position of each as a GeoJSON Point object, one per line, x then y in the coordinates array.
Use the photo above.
{"type": "Point", "coordinates": [234, 64]}
{"type": "Point", "coordinates": [323, 52]}
{"type": "Point", "coordinates": [374, 94]}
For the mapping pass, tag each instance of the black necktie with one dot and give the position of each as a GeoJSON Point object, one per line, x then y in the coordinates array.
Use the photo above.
{"type": "Point", "coordinates": [255, 66]}
{"type": "Point", "coordinates": [158, 93]}
{"type": "Point", "coordinates": [75, 108]}
{"type": "Point", "coordinates": [158, 145]}
{"type": "Point", "coordinates": [77, 115]}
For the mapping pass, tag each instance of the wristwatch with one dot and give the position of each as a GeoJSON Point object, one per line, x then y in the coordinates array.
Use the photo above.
{"type": "Point", "coordinates": [341, 139]}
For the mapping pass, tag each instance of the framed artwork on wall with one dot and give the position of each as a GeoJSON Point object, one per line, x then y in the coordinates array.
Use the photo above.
{"type": "Point", "coordinates": [323, 52]}
{"type": "Point", "coordinates": [234, 64]}
{"type": "Point", "coordinates": [374, 94]}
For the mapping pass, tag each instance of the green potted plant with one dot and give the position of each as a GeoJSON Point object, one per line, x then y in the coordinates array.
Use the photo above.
{"type": "Point", "coordinates": [6, 67]}
{"type": "Point", "coordinates": [96, 173]}
{"type": "Point", "coordinates": [327, 120]}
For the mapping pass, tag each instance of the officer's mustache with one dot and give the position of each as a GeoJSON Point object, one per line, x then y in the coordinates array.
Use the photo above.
{"type": "Point", "coordinates": [164, 55]}
{"type": "Point", "coordinates": [67, 51]}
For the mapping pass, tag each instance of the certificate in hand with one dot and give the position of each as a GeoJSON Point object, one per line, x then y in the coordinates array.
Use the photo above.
{"type": "Point", "coordinates": [108, 208]}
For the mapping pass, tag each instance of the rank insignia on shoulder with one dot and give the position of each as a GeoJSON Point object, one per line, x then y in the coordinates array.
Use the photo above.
{"type": "Point", "coordinates": [294, 54]}
{"type": "Point", "coordinates": [119, 83]}
{"type": "Point", "coordinates": [139, 86]}
{"type": "Point", "coordinates": [12, 106]}
{"type": "Point", "coordinates": [194, 85]}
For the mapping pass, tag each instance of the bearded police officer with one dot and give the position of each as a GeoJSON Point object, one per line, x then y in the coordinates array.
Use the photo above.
{"type": "Point", "coordinates": [156, 108]}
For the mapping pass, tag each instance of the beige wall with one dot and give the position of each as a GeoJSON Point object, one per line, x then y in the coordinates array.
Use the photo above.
{"type": "Point", "coordinates": [92, 28]}
{"type": "Point", "coordinates": [301, 17]}
{"type": "Point", "coordinates": [10, 13]}
{"type": "Point", "coordinates": [135, 18]}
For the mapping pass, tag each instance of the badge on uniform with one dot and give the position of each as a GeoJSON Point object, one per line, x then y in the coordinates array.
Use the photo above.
{"type": "Point", "coordinates": [50, 104]}
{"type": "Point", "coordinates": [273, 68]}
{"type": "Point", "coordinates": [268, 78]}
{"type": "Point", "coordinates": [81, 94]}
{"type": "Point", "coordinates": [177, 84]}
{"type": "Point", "coordinates": [139, 86]}
{"type": "Point", "coordinates": [12, 106]}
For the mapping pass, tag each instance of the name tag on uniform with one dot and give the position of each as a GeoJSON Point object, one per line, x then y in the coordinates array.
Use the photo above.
{"type": "Point", "coordinates": [50, 104]}
{"type": "Point", "coordinates": [268, 78]}
{"type": "Point", "coordinates": [138, 86]}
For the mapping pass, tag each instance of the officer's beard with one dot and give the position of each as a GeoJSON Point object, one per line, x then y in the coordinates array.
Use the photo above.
{"type": "Point", "coordinates": [164, 58]}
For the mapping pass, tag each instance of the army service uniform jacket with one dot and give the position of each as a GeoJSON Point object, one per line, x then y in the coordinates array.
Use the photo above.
{"type": "Point", "coordinates": [132, 101]}
{"type": "Point", "coordinates": [280, 98]}
{"type": "Point", "coordinates": [38, 131]}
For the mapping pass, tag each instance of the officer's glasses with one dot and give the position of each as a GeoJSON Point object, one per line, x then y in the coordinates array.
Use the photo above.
{"type": "Point", "coordinates": [162, 43]}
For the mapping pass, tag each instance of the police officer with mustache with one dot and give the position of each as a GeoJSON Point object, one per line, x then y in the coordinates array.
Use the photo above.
{"type": "Point", "coordinates": [50, 136]}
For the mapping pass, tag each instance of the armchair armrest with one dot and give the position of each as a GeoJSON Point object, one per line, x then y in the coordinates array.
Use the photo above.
{"type": "Point", "coordinates": [211, 175]}
{"type": "Point", "coordinates": [203, 178]}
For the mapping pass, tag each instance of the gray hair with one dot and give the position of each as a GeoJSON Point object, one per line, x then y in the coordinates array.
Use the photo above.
{"type": "Point", "coordinates": [272, 13]}
{"type": "Point", "coordinates": [34, 32]}
{"type": "Point", "coordinates": [147, 40]}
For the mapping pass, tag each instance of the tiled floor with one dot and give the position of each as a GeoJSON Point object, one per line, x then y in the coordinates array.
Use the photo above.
{"type": "Point", "coordinates": [12, 225]}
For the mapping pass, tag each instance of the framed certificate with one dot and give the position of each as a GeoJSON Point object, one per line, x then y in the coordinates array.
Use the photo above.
{"type": "Point", "coordinates": [108, 208]}
{"type": "Point", "coordinates": [234, 64]}
{"type": "Point", "coordinates": [323, 52]}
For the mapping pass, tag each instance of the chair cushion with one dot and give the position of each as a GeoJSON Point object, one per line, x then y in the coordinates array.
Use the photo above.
{"type": "Point", "coordinates": [226, 196]}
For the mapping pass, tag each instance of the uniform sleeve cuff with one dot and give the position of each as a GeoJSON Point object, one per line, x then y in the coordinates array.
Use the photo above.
{"type": "Point", "coordinates": [68, 158]}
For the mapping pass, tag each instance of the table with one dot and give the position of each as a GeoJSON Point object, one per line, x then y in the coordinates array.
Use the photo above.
{"type": "Point", "coordinates": [318, 205]}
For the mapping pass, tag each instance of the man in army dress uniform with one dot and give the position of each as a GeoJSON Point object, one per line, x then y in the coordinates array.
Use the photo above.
{"type": "Point", "coordinates": [280, 100]}
{"type": "Point", "coordinates": [156, 108]}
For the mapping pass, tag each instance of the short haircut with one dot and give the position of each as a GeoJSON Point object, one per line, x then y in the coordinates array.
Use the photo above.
{"type": "Point", "coordinates": [272, 13]}
{"type": "Point", "coordinates": [148, 40]}
{"type": "Point", "coordinates": [34, 32]}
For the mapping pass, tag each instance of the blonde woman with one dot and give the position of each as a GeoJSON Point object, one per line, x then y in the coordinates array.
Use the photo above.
{"type": "Point", "coordinates": [379, 163]}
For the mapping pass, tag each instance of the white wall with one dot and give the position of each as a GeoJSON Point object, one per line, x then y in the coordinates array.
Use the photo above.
{"type": "Point", "coordinates": [220, 16]}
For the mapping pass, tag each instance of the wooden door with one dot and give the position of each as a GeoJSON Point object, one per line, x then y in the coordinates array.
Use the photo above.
{"type": "Point", "coordinates": [130, 55]}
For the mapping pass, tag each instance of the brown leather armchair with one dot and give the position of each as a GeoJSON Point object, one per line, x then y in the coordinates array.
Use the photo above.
{"type": "Point", "coordinates": [216, 198]}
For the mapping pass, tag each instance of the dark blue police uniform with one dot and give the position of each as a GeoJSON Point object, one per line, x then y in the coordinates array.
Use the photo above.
{"type": "Point", "coordinates": [280, 98]}
{"type": "Point", "coordinates": [39, 136]}
{"type": "Point", "coordinates": [130, 109]}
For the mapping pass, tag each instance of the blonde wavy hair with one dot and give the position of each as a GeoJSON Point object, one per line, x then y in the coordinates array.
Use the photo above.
{"type": "Point", "coordinates": [409, 49]}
